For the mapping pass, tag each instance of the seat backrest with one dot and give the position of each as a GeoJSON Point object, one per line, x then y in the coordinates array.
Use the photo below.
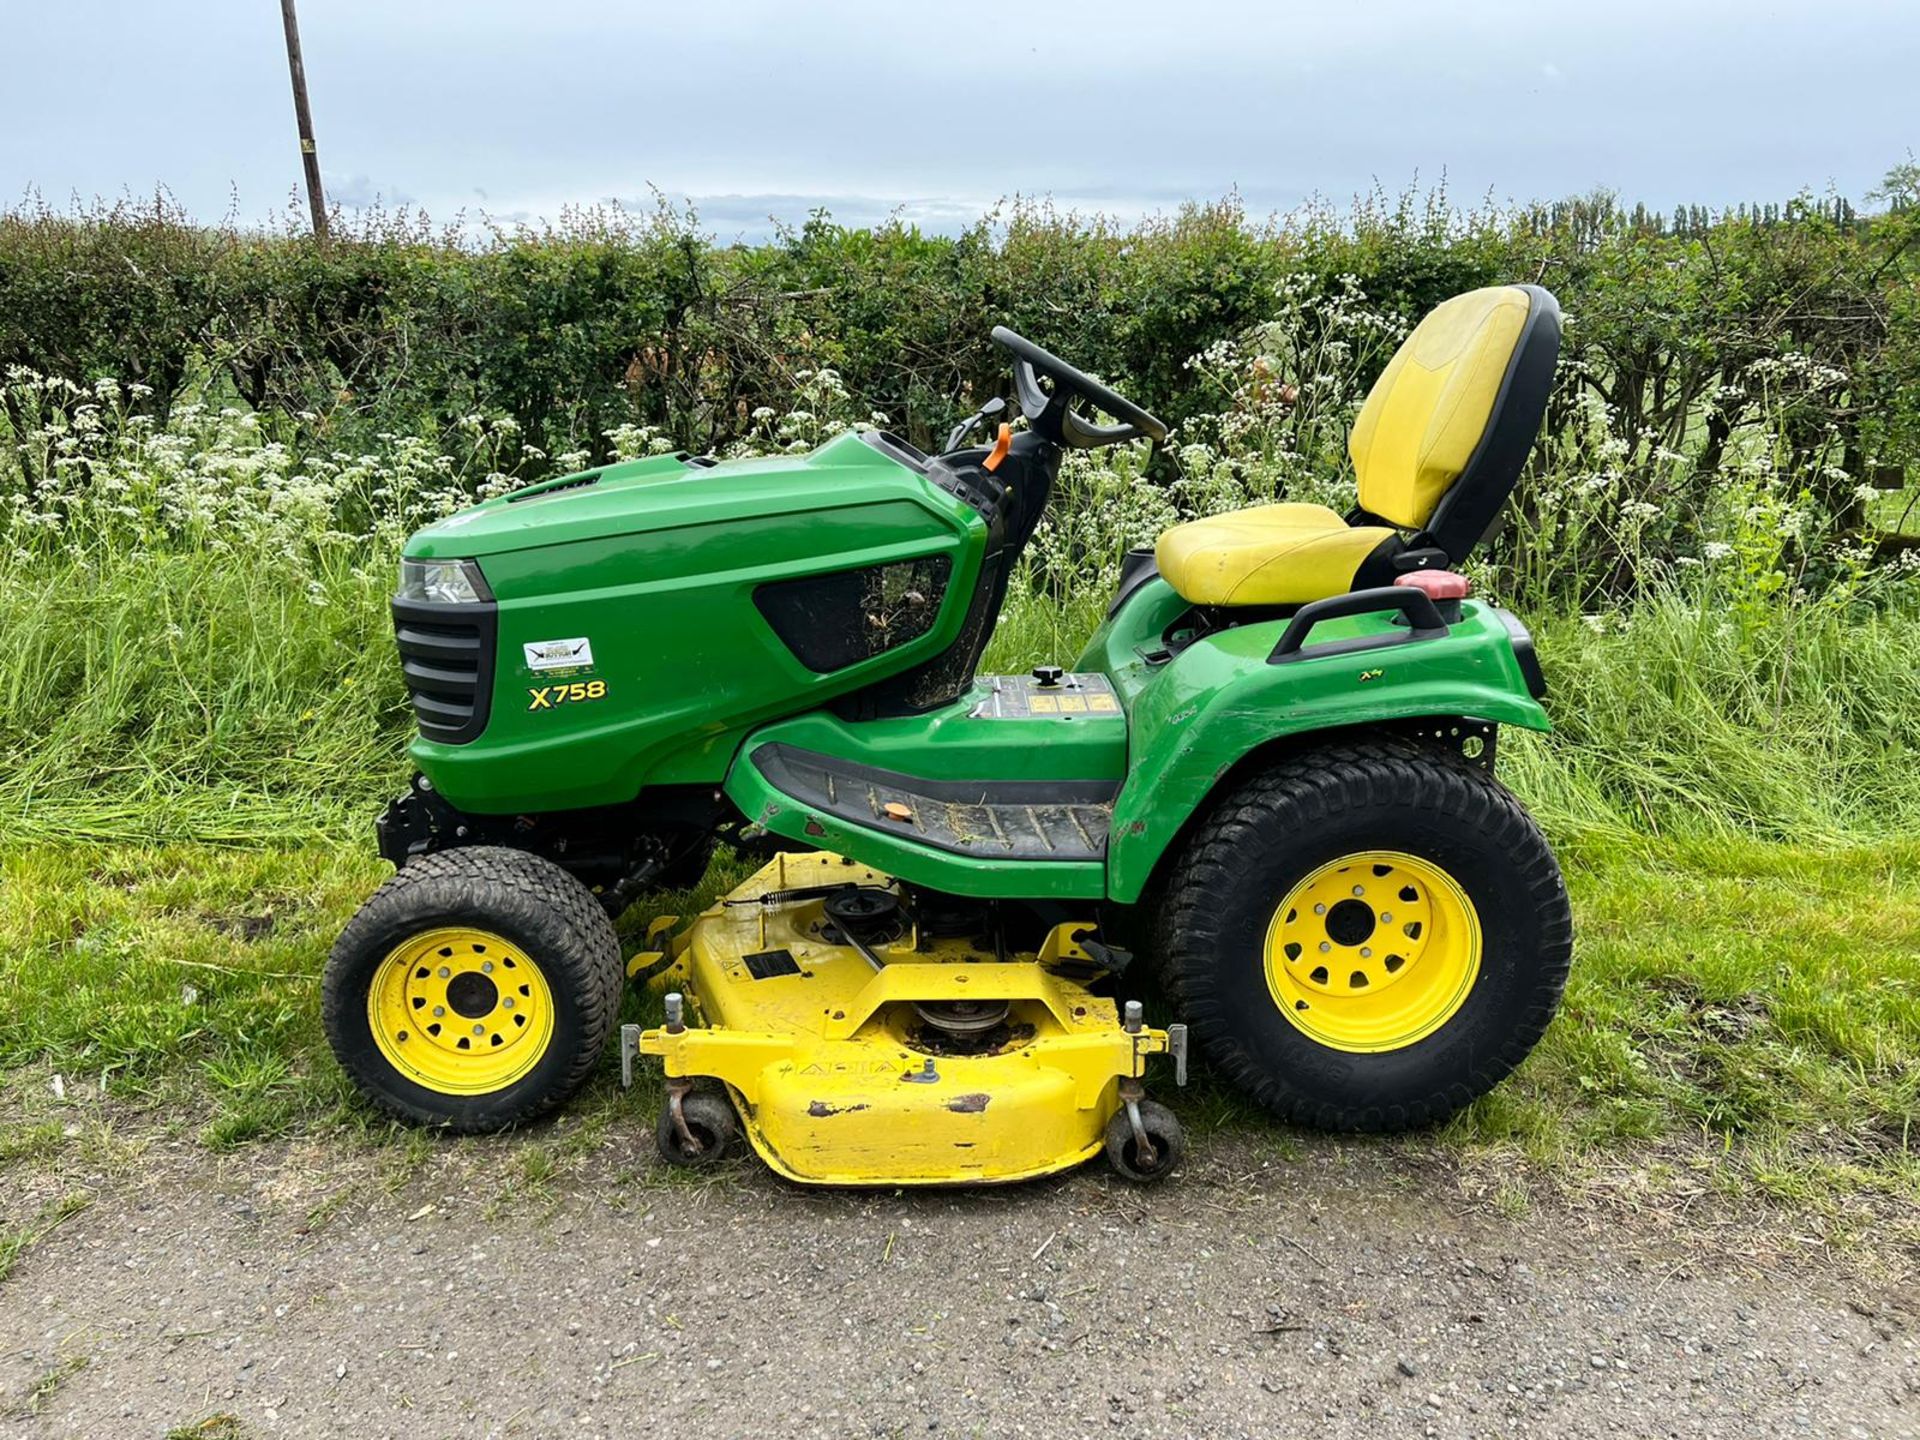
{"type": "Point", "coordinates": [1447, 426]}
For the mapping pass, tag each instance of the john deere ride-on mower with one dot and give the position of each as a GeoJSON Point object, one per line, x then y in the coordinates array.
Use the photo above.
{"type": "Point", "coordinates": [1276, 756]}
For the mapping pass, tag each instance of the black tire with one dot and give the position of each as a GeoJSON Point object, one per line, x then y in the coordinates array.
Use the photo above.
{"type": "Point", "coordinates": [526, 900]}
{"type": "Point", "coordinates": [711, 1120]}
{"type": "Point", "coordinates": [1163, 1129]}
{"type": "Point", "coordinates": [1278, 828]}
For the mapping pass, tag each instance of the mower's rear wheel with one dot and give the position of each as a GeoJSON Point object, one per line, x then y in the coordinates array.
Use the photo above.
{"type": "Point", "coordinates": [1164, 1134]}
{"type": "Point", "coordinates": [474, 990]}
{"type": "Point", "coordinates": [1366, 937]}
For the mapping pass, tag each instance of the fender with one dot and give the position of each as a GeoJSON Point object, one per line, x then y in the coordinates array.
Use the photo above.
{"type": "Point", "coordinates": [1196, 716]}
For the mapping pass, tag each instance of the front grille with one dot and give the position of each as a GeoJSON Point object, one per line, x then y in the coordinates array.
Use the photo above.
{"type": "Point", "coordinates": [446, 654]}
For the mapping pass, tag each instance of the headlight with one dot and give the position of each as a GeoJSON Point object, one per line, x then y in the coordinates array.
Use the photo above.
{"type": "Point", "coordinates": [442, 582]}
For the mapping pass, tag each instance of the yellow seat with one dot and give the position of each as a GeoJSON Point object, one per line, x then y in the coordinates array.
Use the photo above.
{"type": "Point", "coordinates": [1268, 555]}
{"type": "Point", "coordinates": [1436, 451]}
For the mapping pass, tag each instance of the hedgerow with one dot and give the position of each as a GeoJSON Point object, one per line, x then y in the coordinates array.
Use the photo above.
{"type": "Point", "coordinates": [611, 318]}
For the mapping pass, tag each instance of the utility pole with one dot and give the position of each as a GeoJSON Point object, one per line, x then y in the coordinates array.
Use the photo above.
{"type": "Point", "coordinates": [304, 118]}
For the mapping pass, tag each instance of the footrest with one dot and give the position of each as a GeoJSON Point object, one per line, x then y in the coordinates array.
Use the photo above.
{"type": "Point", "coordinates": [1022, 820]}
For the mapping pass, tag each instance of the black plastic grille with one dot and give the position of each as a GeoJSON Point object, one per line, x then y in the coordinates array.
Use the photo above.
{"type": "Point", "coordinates": [446, 654]}
{"type": "Point", "coordinates": [838, 619]}
{"type": "Point", "coordinates": [544, 489]}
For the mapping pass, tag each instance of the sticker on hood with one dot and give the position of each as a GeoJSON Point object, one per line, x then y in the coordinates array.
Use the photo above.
{"type": "Point", "coordinates": [546, 655]}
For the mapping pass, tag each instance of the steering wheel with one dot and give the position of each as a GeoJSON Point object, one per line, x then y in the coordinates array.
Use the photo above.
{"type": "Point", "coordinates": [1053, 416]}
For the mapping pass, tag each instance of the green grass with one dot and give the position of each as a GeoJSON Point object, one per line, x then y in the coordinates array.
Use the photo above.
{"type": "Point", "coordinates": [1685, 717]}
{"type": "Point", "coordinates": [197, 696]}
{"type": "Point", "coordinates": [1761, 999]}
{"type": "Point", "coordinates": [184, 980]}
{"type": "Point", "coordinates": [1743, 1015]}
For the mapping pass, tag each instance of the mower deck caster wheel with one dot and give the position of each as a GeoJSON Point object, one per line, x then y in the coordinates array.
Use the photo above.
{"type": "Point", "coordinates": [709, 1133]}
{"type": "Point", "coordinates": [1167, 1142]}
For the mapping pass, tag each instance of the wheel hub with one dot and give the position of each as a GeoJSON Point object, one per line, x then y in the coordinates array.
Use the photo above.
{"type": "Point", "coordinates": [460, 1011]}
{"type": "Point", "coordinates": [472, 994]}
{"type": "Point", "coordinates": [1373, 951]}
{"type": "Point", "coordinates": [1350, 922]}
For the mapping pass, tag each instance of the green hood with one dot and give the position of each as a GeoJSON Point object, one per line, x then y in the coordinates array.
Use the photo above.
{"type": "Point", "coordinates": [661, 492]}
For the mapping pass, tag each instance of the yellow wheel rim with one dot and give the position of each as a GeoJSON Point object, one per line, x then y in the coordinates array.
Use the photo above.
{"type": "Point", "coordinates": [460, 1011]}
{"type": "Point", "coordinates": [1373, 951]}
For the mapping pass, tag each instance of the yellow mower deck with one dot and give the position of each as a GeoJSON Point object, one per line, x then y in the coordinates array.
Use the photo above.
{"type": "Point", "coordinates": [839, 1082]}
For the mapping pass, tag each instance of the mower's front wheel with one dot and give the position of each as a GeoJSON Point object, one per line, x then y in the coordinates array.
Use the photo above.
{"type": "Point", "coordinates": [474, 990]}
{"type": "Point", "coordinates": [1366, 937]}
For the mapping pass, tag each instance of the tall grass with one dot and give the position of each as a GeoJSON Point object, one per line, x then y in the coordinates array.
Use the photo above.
{"type": "Point", "coordinates": [225, 697]}
{"type": "Point", "coordinates": [206, 696]}
{"type": "Point", "coordinates": [1676, 720]}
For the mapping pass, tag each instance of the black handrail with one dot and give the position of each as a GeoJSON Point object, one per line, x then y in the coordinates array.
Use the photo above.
{"type": "Point", "coordinates": [1424, 622]}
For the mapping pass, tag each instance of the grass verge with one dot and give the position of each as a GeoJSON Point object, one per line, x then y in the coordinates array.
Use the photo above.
{"type": "Point", "coordinates": [1743, 1020]}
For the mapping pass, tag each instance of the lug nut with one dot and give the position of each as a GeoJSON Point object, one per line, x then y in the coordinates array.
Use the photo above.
{"type": "Point", "coordinates": [438, 1011]}
{"type": "Point", "coordinates": [508, 1002]}
{"type": "Point", "coordinates": [486, 967]}
{"type": "Point", "coordinates": [479, 1029]}
{"type": "Point", "coordinates": [444, 972]}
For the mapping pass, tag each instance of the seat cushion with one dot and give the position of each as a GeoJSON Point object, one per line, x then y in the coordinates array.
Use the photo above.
{"type": "Point", "coordinates": [1273, 555]}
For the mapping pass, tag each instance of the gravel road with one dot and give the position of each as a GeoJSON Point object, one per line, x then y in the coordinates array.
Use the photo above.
{"type": "Point", "coordinates": [1349, 1292]}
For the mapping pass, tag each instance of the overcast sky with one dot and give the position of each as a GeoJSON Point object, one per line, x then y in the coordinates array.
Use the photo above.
{"type": "Point", "coordinates": [753, 108]}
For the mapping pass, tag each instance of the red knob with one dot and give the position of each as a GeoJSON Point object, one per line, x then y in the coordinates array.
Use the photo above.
{"type": "Point", "coordinates": [1439, 584]}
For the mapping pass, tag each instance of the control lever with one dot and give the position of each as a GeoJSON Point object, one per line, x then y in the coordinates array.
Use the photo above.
{"type": "Point", "coordinates": [992, 410]}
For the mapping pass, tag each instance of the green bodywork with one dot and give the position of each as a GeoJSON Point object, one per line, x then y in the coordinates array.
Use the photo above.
{"type": "Point", "coordinates": [1197, 716]}
{"type": "Point", "coordinates": [656, 562]}
{"type": "Point", "coordinates": [1187, 722]}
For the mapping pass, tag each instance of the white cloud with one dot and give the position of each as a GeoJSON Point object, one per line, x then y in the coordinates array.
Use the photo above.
{"type": "Point", "coordinates": [361, 192]}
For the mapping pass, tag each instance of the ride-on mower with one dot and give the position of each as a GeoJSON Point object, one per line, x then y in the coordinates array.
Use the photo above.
{"type": "Point", "coordinates": [1276, 754]}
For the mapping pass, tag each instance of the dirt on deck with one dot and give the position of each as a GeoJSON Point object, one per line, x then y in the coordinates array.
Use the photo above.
{"type": "Point", "coordinates": [297, 1290]}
